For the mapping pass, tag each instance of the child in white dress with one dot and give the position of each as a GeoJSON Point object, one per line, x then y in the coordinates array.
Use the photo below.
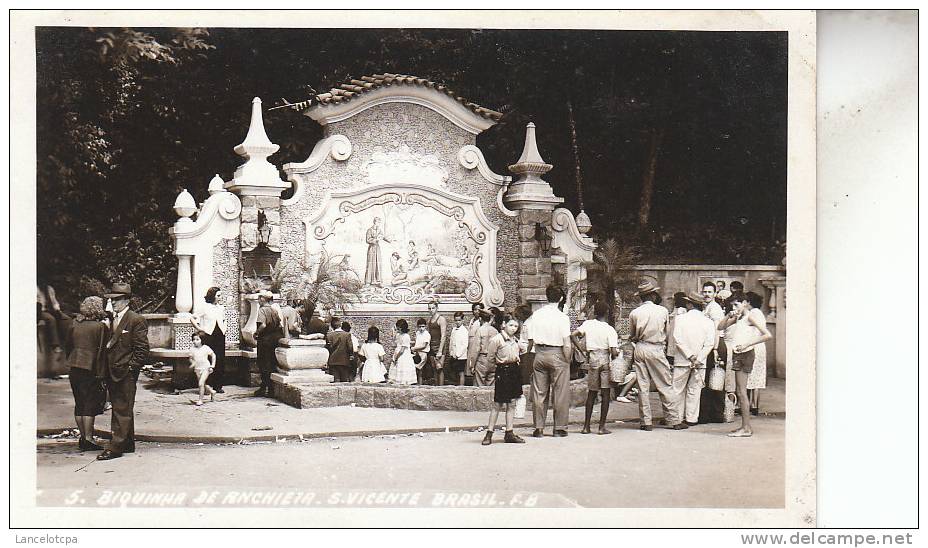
{"type": "Point", "coordinates": [203, 361]}
{"type": "Point", "coordinates": [372, 351]}
{"type": "Point", "coordinates": [404, 370]}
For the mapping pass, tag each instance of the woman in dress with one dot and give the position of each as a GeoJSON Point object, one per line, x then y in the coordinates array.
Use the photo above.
{"type": "Point", "coordinates": [404, 369]}
{"type": "Point", "coordinates": [85, 345]}
{"type": "Point", "coordinates": [212, 321]}
{"type": "Point", "coordinates": [372, 352]}
{"type": "Point", "coordinates": [757, 380]}
{"type": "Point", "coordinates": [438, 339]}
{"type": "Point", "coordinates": [504, 351]}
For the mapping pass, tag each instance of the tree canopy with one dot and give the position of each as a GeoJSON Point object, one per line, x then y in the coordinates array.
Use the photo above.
{"type": "Point", "coordinates": [128, 117]}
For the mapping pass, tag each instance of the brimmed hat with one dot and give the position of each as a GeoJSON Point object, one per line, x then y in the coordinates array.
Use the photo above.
{"type": "Point", "coordinates": [647, 287]}
{"type": "Point", "coordinates": [266, 294]}
{"type": "Point", "coordinates": [695, 298]}
{"type": "Point", "coordinates": [119, 289]}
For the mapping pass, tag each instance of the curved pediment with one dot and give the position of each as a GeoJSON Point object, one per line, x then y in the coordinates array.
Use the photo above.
{"type": "Point", "coordinates": [348, 99]}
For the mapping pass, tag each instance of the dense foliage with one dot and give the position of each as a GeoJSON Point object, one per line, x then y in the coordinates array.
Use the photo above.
{"type": "Point", "coordinates": [681, 136]}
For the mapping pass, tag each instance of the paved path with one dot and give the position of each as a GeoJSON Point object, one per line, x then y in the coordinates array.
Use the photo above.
{"type": "Point", "coordinates": [699, 467]}
{"type": "Point", "coordinates": [162, 416]}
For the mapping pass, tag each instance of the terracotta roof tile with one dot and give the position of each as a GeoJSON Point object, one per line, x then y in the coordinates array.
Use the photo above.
{"type": "Point", "coordinates": [357, 86]}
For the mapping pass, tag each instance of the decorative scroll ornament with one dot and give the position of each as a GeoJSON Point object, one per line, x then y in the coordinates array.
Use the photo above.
{"type": "Point", "coordinates": [338, 147]}
{"type": "Point", "coordinates": [474, 291]}
{"type": "Point", "coordinates": [230, 207]}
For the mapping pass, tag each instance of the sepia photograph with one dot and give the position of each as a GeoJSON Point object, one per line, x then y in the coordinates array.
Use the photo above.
{"type": "Point", "coordinates": [336, 263]}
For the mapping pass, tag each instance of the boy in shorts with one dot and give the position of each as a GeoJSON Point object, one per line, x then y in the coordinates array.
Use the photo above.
{"type": "Point", "coordinates": [749, 331]}
{"type": "Point", "coordinates": [602, 345]}
{"type": "Point", "coordinates": [421, 347]}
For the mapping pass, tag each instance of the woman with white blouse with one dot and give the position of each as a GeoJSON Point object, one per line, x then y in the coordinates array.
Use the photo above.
{"type": "Point", "coordinates": [212, 321]}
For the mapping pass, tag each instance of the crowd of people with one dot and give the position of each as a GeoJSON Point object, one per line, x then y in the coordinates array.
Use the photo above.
{"type": "Point", "coordinates": [674, 351]}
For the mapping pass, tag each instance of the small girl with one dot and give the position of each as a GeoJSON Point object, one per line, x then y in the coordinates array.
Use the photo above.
{"type": "Point", "coordinates": [373, 353]}
{"type": "Point", "coordinates": [203, 361]}
{"type": "Point", "coordinates": [404, 370]}
{"type": "Point", "coordinates": [507, 388]}
{"type": "Point", "coordinates": [423, 341]}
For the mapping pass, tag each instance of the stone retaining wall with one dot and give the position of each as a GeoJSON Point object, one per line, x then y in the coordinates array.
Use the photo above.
{"type": "Point", "coordinates": [418, 398]}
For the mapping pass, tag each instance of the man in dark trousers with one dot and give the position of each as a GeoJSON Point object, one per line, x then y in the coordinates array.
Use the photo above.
{"type": "Point", "coordinates": [341, 350]}
{"type": "Point", "coordinates": [126, 353]}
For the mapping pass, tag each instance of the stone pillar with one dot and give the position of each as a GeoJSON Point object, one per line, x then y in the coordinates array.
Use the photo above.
{"type": "Point", "coordinates": [184, 206]}
{"type": "Point", "coordinates": [776, 320]}
{"type": "Point", "coordinates": [534, 200]}
{"type": "Point", "coordinates": [183, 296]}
{"type": "Point", "coordinates": [534, 266]}
{"type": "Point", "coordinates": [258, 183]}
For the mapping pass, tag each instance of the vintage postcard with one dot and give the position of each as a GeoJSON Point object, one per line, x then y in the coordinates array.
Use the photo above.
{"type": "Point", "coordinates": [513, 268]}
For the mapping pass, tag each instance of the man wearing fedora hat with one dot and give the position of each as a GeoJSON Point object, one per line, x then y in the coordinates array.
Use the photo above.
{"type": "Point", "coordinates": [126, 353]}
{"type": "Point", "coordinates": [693, 338]}
{"type": "Point", "coordinates": [648, 331]}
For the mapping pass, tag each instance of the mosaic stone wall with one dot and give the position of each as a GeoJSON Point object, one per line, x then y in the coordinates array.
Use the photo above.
{"type": "Point", "coordinates": [226, 277]}
{"type": "Point", "coordinates": [391, 129]}
{"type": "Point", "coordinates": [182, 336]}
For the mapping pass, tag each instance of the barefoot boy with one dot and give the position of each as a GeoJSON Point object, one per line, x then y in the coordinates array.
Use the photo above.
{"type": "Point", "coordinates": [602, 345]}
{"type": "Point", "coordinates": [203, 361]}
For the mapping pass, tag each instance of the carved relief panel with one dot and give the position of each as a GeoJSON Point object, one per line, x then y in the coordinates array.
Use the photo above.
{"type": "Point", "coordinates": [408, 243]}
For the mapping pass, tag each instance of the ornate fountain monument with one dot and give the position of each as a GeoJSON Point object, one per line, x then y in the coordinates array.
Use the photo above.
{"type": "Point", "coordinates": [397, 190]}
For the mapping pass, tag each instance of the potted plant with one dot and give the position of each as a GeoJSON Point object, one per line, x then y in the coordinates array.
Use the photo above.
{"type": "Point", "coordinates": [328, 281]}
{"type": "Point", "coordinates": [607, 277]}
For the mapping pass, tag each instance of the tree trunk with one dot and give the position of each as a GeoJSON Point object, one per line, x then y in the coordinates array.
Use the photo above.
{"type": "Point", "coordinates": [647, 186]}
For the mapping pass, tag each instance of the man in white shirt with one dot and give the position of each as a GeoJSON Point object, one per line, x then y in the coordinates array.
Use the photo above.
{"type": "Point", "coordinates": [694, 336]}
{"type": "Point", "coordinates": [602, 345]}
{"type": "Point", "coordinates": [550, 334]}
{"type": "Point", "coordinates": [457, 346]}
{"type": "Point", "coordinates": [712, 403]}
{"type": "Point", "coordinates": [677, 311]}
{"type": "Point", "coordinates": [648, 331]}
{"type": "Point", "coordinates": [713, 309]}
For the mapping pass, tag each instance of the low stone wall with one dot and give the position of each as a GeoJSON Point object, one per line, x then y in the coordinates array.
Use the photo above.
{"type": "Point", "coordinates": [417, 398]}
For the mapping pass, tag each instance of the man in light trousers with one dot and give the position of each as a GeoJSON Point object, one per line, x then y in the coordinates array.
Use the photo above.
{"type": "Point", "coordinates": [550, 337]}
{"type": "Point", "coordinates": [693, 337]}
{"type": "Point", "coordinates": [648, 331]}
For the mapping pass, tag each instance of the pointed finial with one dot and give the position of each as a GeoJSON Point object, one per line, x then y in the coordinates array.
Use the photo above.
{"type": "Point", "coordinates": [256, 142]}
{"type": "Point", "coordinates": [256, 176]}
{"type": "Point", "coordinates": [529, 190]}
{"type": "Point", "coordinates": [530, 152]}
